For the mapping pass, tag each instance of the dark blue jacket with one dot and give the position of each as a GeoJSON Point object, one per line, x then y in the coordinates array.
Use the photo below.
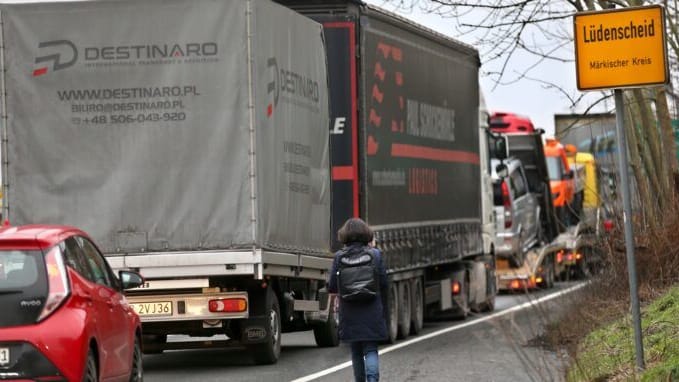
{"type": "Point", "coordinates": [360, 321]}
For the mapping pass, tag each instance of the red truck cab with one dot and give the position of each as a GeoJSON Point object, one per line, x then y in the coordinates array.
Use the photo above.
{"type": "Point", "coordinates": [501, 122]}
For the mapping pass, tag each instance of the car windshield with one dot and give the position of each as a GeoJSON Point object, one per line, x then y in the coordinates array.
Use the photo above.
{"type": "Point", "coordinates": [554, 168]}
{"type": "Point", "coordinates": [19, 269]}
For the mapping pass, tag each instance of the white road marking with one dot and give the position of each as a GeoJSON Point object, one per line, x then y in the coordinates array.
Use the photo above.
{"type": "Point", "coordinates": [415, 340]}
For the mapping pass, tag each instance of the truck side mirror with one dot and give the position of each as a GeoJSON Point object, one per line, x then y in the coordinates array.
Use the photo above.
{"type": "Point", "coordinates": [500, 147]}
{"type": "Point", "coordinates": [502, 171]}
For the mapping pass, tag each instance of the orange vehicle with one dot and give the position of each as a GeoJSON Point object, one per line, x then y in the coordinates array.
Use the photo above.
{"type": "Point", "coordinates": [561, 180]}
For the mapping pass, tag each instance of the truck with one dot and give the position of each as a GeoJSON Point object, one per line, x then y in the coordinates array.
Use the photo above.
{"type": "Point", "coordinates": [539, 267]}
{"type": "Point", "coordinates": [410, 156]}
{"type": "Point", "coordinates": [198, 156]}
{"type": "Point", "coordinates": [220, 161]}
{"type": "Point", "coordinates": [567, 180]}
{"type": "Point", "coordinates": [504, 122]}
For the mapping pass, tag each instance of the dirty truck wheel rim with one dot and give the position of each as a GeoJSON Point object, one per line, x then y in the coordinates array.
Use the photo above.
{"type": "Point", "coordinates": [273, 322]}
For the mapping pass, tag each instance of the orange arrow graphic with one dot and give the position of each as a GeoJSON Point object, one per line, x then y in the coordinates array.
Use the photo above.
{"type": "Point", "coordinates": [399, 78]}
{"type": "Point", "coordinates": [384, 49]}
{"type": "Point", "coordinates": [379, 72]}
{"type": "Point", "coordinates": [373, 146]}
{"type": "Point", "coordinates": [377, 94]}
{"type": "Point", "coordinates": [374, 118]}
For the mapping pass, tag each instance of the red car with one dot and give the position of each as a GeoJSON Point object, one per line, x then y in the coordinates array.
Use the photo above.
{"type": "Point", "coordinates": [63, 315]}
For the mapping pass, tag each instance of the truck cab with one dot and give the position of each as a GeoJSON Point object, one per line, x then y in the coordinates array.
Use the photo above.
{"type": "Point", "coordinates": [501, 122]}
{"type": "Point", "coordinates": [561, 177]}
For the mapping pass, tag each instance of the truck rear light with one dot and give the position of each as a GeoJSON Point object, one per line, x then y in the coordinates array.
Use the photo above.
{"type": "Point", "coordinates": [455, 287]}
{"type": "Point", "coordinates": [559, 257]}
{"type": "Point", "coordinates": [228, 305]}
{"type": "Point", "coordinates": [515, 284]}
{"type": "Point", "coordinates": [57, 282]}
{"type": "Point", "coordinates": [507, 203]}
{"type": "Point", "coordinates": [578, 256]}
{"type": "Point", "coordinates": [608, 225]}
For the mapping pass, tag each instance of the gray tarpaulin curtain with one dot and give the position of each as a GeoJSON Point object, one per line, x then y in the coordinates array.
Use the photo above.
{"type": "Point", "coordinates": [130, 120]}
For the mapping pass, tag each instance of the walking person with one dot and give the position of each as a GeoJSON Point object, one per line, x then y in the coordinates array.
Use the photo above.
{"type": "Point", "coordinates": [359, 278]}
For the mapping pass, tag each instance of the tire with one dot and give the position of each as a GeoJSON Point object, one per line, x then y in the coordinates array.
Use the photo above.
{"type": "Point", "coordinates": [489, 304]}
{"type": "Point", "coordinates": [327, 334]}
{"type": "Point", "coordinates": [267, 353]}
{"type": "Point", "coordinates": [550, 274]}
{"type": "Point", "coordinates": [417, 304]}
{"type": "Point", "coordinates": [392, 319]}
{"type": "Point", "coordinates": [90, 374]}
{"type": "Point", "coordinates": [404, 309]}
{"type": "Point", "coordinates": [137, 372]}
{"type": "Point", "coordinates": [492, 291]}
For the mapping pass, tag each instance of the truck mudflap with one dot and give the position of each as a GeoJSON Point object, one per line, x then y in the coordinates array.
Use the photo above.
{"type": "Point", "coordinates": [255, 330]}
{"type": "Point", "coordinates": [186, 307]}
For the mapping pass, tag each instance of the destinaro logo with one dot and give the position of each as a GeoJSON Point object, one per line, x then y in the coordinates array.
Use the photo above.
{"type": "Point", "coordinates": [291, 86]}
{"type": "Point", "coordinates": [64, 53]}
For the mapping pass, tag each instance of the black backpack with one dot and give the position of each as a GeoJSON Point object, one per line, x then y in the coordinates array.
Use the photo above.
{"type": "Point", "coordinates": [357, 276]}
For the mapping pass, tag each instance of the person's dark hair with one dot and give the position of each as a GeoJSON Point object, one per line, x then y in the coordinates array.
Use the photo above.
{"type": "Point", "coordinates": [355, 230]}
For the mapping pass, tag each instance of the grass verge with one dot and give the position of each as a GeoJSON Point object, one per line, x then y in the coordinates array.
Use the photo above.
{"type": "Point", "coordinates": [607, 354]}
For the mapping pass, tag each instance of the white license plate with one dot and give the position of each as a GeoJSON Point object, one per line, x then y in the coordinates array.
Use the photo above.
{"type": "Point", "coordinates": [155, 308]}
{"type": "Point", "coordinates": [4, 356]}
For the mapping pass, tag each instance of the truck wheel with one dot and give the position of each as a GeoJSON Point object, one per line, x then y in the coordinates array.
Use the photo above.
{"type": "Point", "coordinates": [392, 320]}
{"type": "Point", "coordinates": [417, 303]}
{"type": "Point", "coordinates": [327, 334]}
{"type": "Point", "coordinates": [548, 273]}
{"type": "Point", "coordinates": [404, 309]}
{"type": "Point", "coordinates": [268, 352]}
{"type": "Point", "coordinates": [489, 304]}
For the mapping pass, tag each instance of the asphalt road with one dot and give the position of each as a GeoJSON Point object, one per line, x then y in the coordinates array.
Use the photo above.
{"type": "Point", "coordinates": [495, 346]}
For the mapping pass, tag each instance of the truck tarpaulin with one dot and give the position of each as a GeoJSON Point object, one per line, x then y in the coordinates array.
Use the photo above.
{"type": "Point", "coordinates": [174, 131]}
{"type": "Point", "coordinates": [421, 129]}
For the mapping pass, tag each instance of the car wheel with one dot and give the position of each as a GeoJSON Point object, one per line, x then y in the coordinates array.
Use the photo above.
{"type": "Point", "coordinates": [91, 374]}
{"type": "Point", "coordinates": [327, 334]}
{"type": "Point", "coordinates": [137, 373]}
{"type": "Point", "coordinates": [268, 352]}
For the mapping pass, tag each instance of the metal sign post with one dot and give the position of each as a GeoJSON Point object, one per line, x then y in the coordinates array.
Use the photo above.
{"type": "Point", "coordinates": [627, 220]}
{"type": "Point", "coordinates": [614, 49]}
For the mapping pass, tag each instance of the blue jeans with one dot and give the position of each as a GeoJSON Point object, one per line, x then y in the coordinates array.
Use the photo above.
{"type": "Point", "coordinates": [365, 362]}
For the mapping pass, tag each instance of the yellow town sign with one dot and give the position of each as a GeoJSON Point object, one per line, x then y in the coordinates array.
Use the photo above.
{"type": "Point", "coordinates": [620, 48]}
